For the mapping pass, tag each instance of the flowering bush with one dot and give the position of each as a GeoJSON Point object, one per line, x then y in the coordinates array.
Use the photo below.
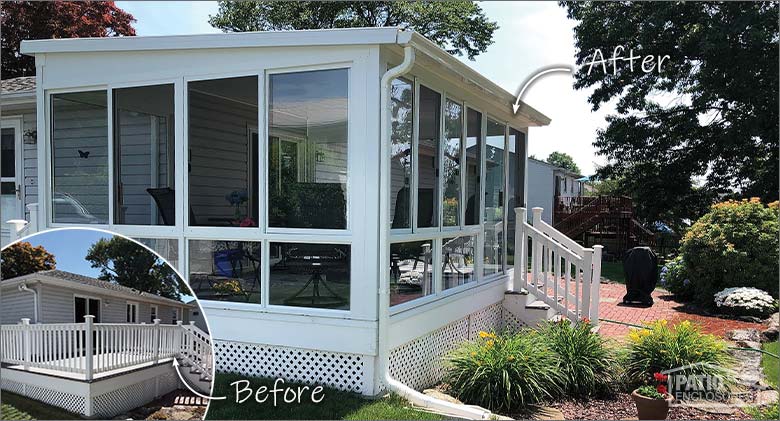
{"type": "Point", "coordinates": [655, 392]}
{"type": "Point", "coordinates": [745, 301]}
{"type": "Point", "coordinates": [675, 279]}
{"type": "Point", "coordinates": [504, 371]}
{"type": "Point", "coordinates": [661, 347]}
{"type": "Point", "coordinates": [734, 245]}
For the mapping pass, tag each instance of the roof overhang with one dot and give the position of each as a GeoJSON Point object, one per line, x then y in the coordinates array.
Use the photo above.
{"type": "Point", "coordinates": [526, 116]}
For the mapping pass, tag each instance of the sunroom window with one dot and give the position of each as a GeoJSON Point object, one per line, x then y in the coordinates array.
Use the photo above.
{"type": "Point", "coordinates": [401, 131]}
{"type": "Point", "coordinates": [307, 160]}
{"type": "Point", "coordinates": [472, 168]}
{"type": "Point", "coordinates": [222, 155]}
{"type": "Point", "coordinates": [494, 197]}
{"type": "Point", "coordinates": [225, 270]}
{"type": "Point", "coordinates": [453, 134]}
{"type": "Point", "coordinates": [428, 159]}
{"type": "Point", "coordinates": [516, 186]}
{"type": "Point", "coordinates": [310, 275]}
{"type": "Point", "coordinates": [458, 259]}
{"type": "Point", "coordinates": [79, 144]}
{"type": "Point", "coordinates": [411, 271]}
{"type": "Point", "coordinates": [143, 147]}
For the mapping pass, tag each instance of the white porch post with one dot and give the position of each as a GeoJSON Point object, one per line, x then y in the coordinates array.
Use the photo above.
{"type": "Point", "coordinates": [156, 340]}
{"type": "Point", "coordinates": [88, 328]}
{"type": "Point", "coordinates": [179, 345]}
{"type": "Point", "coordinates": [595, 291]}
{"type": "Point", "coordinates": [26, 344]}
{"type": "Point", "coordinates": [17, 225]}
{"type": "Point", "coordinates": [32, 208]}
{"type": "Point", "coordinates": [521, 252]}
{"type": "Point", "coordinates": [587, 277]}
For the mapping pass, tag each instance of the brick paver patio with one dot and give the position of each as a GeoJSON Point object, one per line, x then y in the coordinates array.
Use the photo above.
{"type": "Point", "coordinates": [664, 307]}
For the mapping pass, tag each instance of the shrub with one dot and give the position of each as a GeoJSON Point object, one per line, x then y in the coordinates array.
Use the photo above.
{"type": "Point", "coordinates": [586, 363]}
{"type": "Point", "coordinates": [745, 302]}
{"type": "Point", "coordinates": [734, 245]}
{"type": "Point", "coordinates": [661, 347]}
{"type": "Point", "coordinates": [504, 371]}
{"type": "Point", "coordinates": [675, 279]}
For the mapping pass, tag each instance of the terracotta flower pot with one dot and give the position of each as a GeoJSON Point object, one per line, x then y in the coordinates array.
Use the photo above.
{"type": "Point", "coordinates": [651, 409]}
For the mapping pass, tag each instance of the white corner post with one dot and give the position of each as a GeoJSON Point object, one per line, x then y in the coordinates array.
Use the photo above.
{"type": "Point", "coordinates": [156, 340]}
{"type": "Point", "coordinates": [521, 253]}
{"type": "Point", "coordinates": [537, 217]}
{"type": "Point", "coordinates": [595, 291]}
{"type": "Point", "coordinates": [26, 344]}
{"type": "Point", "coordinates": [88, 345]}
{"type": "Point", "coordinates": [17, 227]}
{"type": "Point", "coordinates": [34, 226]}
{"type": "Point", "coordinates": [587, 279]}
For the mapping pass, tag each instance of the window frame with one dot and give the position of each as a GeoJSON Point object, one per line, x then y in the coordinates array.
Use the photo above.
{"type": "Point", "coordinates": [134, 306]}
{"type": "Point", "coordinates": [154, 314]}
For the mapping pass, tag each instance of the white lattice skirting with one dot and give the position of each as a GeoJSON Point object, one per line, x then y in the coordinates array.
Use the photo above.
{"type": "Point", "coordinates": [337, 370]}
{"type": "Point", "coordinates": [420, 363]}
{"type": "Point", "coordinates": [104, 398]}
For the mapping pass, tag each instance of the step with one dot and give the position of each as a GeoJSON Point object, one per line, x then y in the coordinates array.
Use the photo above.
{"type": "Point", "coordinates": [537, 305]}
{"type": "Point", "coordinates": [522, 291]}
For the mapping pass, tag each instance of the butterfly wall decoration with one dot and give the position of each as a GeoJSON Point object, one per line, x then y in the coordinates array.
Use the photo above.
{"type": "Point", "coordinates": [83, 154]}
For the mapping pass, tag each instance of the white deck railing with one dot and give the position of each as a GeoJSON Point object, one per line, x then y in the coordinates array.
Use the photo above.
{"type": "Point", "coordinates": [560, 272]}
{"type": "Point", "coordinates": [91, 348]}
{"type": "Point", "coordinates": [20, 227]}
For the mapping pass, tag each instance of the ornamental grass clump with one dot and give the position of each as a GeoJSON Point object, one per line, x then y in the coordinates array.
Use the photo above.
{"type": "Point", "coordinates": [504, 371]}
{"type": "Point", "coordinates": [587, 364]}
{"type": "Point", "coordinates": [682, 348]}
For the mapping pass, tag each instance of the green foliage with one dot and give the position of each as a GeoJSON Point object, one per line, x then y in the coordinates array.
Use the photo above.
{"type": "Point", "coordinates": [770, 364]}
{"type": "Point", "coordinates": [563, 160]}
{"type": "Point", "coordinates": [607, 187]}
{"type": "Point", "coordinates": [22, 258]}
{"type": "Point", "coordinates": [674, 277]}
{"type": "Point", "coordinates": [649, 391]}
{"type": "Point", "coordinates": [587, 365]}
{"type": "Point", "coordinates": [770, 412]}
{"type": "Point", "coordinates": [662, 347]}
{"type": "Point", "coordinates": [505, 371]}
{"type": "Point", "coordinates": [722, 67]}
{"type": "Point", "coordinates": [460, 27]}
{"type": "Point", "coordinates": [127, 263]}
{"type": "Point", "coordinates": [734, 245]}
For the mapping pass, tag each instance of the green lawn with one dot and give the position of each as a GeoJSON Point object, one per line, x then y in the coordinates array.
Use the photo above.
{"type": "Point", "coordinates": [613, 271]}
{"type": "Point", "coordinates": [335, 405]}
{"type": "Point", "coordinates": [17, 407]}
{"type": "Point", "coordinates": [770, 364]}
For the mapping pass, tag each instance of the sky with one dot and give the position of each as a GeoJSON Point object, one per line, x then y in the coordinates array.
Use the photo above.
{"type": "Point", "coordinates": [531, 35]}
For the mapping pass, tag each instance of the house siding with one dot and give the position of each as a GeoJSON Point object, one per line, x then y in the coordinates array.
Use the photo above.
{"type": "Point", "coordinates": [15, 306]}
{"type": "Point", "coordinates": [29, 152]}
{"type": "Point", "coordinates": [541, 185]}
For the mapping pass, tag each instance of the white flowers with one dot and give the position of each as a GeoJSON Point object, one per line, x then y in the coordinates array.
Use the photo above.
{"type": "Point", "coordinates": [745, 300]}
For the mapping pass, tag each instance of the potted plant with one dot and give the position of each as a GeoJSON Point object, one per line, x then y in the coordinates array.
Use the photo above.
{"type": "Point", "coordinates": [652, 402]}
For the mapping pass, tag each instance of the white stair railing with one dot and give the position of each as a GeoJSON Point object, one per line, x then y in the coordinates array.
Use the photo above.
{"type": "Point", "coordinates": [560, 272]}
{"type": "Point", "coordinates": [90, 348]}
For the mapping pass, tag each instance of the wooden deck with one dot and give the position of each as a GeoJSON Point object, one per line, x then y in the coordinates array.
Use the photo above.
{"type": "Point", "coordinates": [102, 359]}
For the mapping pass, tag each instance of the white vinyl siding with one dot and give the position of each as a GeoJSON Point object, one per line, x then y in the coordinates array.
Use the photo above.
{"type": "Point", "coordinates": [15, 306]}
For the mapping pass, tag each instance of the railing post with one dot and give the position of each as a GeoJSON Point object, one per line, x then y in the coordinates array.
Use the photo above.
{"type": "Point", "coordinates": [521, 253]}
{"type": "Point", "coordinates": [156, 340]}
{"type": "Point", "coordinates": [537, 211]}
{"type": "Point", "coordinates": [587, 277]}
{"type": "Point", "coordinates": [88, 328]}
{"type": "Point", "coordinates": [32, 208]}
{"type": "Point", "coordinates": [26, 342]}
{"type": "Point", "coordinates": [180, 337]}
{"type": "Point", "coordinates": [17, 226]}
{"type": "Point", "coordinates": [596, 290]}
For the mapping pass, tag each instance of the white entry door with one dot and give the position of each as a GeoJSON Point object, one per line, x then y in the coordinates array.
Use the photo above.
{"type": "Point", "coordinates": [10, 176]}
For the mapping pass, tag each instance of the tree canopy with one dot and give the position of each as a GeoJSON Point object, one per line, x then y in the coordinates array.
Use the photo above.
{"type": "Point", "coordinates": [460, 27]}
{"type": "Point", "coordinates": [22, 258]}
{"type": "Point", "coordinates": [23, 20]}
{"type": "Point", "coordinates": [563, 160]}
{"type": "Point", "coordinates": [705, 126]}
{"type": "Point", "coordinates": [127, 263]}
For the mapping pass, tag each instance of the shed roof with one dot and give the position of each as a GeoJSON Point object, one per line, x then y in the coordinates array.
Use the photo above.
{"type": "Point", "coordinates": [23, 84]}
{"type": "Point", "coordinates": [298, 38]}
{"type": "Point", "coordinates": [47, 276]}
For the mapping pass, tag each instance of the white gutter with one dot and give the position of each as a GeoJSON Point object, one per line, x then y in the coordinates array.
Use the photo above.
{"type": "Point", "coordinates": [23, 288]}
{"type": "Point", "coordinates": [383, 322]}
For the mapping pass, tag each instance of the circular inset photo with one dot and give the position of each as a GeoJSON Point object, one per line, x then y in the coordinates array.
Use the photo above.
{"type": "Point", "coordinates": [97, 325]}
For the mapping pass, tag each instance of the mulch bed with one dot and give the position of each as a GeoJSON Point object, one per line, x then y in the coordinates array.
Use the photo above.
{"type": "Point", "coordinates": [621, 407]}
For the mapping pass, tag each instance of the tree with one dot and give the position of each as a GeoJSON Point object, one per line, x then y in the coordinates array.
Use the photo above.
{"type": "Point", "coordinates": [460, 27]}
{"type": "Point", "coordinates": [563, 160]}
{"type": "Point", "coordinates": [127, 263]}
{"type": "Point", "coordinates": [22, 258]}
{"type": "Point", "coordinates": [58, 19]}
{"type": "Point", "coordinates": [719, 136]}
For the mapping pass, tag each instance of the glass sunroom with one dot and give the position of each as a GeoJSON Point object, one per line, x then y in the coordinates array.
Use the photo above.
{"type": "Point", "coordinates": [323, 241]}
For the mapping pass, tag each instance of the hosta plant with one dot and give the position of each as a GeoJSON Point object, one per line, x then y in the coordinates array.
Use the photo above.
{"type": "Point", "coordinates": [745, 301]}
{"type": "Point", "coordinates": [504, 371]}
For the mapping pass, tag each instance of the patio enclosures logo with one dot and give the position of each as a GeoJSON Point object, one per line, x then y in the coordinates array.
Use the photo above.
{"type": "Point", "coordinates": [701, 382]}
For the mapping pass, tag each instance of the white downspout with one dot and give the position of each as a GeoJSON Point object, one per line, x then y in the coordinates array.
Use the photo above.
{"type": "Point", "coordinates": [383, 321]}
{"type": "Point", "coordinates": [23, 288]}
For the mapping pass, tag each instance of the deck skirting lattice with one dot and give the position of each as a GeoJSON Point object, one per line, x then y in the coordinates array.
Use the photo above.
{"type": "Point", "coordinates": [61, 399]}
{"type": "Point", "coordinates": [419, 363]}
{"type": "Point", "coordinates": [340, 371]}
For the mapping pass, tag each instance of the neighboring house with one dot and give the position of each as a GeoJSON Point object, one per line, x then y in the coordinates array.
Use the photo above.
{"type": "Point", "coordinates": [550, 186]}
{"type": "Point", "coordinates": [64, 297]}
{"type": "Point", "coordinates": [19, 151]}
{"type": "Point", "coordinates": [342, 202]}
{"type": "Point", "coordinates": [197, 316]}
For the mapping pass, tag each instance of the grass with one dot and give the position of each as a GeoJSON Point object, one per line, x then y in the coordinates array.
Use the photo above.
{"type": "Point", "coordinates": [613, 271]}
{"type": "Point", "coordinates": [17, 407]}
{"type": "Point", "coordinates": [771, 365]}
{"type": "Point", "coordinates": [335, 405]}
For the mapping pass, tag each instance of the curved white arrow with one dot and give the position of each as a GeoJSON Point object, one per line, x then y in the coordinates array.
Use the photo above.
{"type": "Point", "coordinates": [176, 367]}
{"type": "Point", "coordinates": [539, 73]}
